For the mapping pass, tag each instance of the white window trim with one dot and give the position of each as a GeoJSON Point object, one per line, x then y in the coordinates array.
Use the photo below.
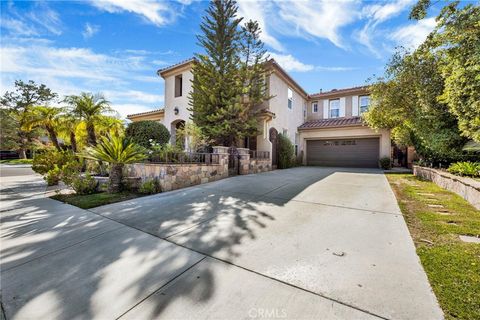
{"type": "Point", "coordinates": [313, 109]}
{"type": "Point", "coordinates": [360, 105]}
{"type": "Point", "coordinates": [330, 108]}
{"type": "Point", "coordinates": [289, 90]}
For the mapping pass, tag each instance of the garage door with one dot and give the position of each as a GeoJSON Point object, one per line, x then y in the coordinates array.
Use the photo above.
{"type": "Point", "coordinates": [343, 152]}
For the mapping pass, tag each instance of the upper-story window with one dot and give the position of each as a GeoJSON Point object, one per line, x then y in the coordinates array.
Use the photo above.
{"type": "Point", "coordinates": [315, 107]}
{"type": "Point", "coordinates": [364, 103]}
{"type": "Point", "coordinates": [334, 110]}
{"type": "Point", "coordinates": [178, 85]}
{"type": "Point", "coordinates": [290, 98]}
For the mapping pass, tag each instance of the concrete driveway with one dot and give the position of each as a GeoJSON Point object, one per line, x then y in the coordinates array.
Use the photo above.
{"type": "Point", "coordinates": [305, 243]}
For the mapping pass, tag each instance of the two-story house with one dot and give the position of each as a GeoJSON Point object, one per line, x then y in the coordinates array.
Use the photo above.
{"type": "Point", "coordinates": [326, 128]}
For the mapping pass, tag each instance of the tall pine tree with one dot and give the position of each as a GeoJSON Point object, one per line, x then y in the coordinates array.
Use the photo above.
{"type": "Point", "coordinates": [227, 78]}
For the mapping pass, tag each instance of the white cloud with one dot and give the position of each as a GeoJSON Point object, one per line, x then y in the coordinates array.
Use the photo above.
{"type": "Point", "coordinates": [383, 12]}
{"type": "Point", "coordinates": [320, 19]}
{"type": "Point", "coordinates": [375, 15]}
{"type": "Point", "coordinates": [18, 27]}
{"type": "Point", "coordinates": [34, 22]}
{"type": "Point", "coordinates": [411, 36]}
{"type": "Point", "coordinates": [301, 18]}
{"type": "Point", "coordinates": [135, 95]}
{"type": "Point", "coordinates": [157, 12]}
{"type": "Point", "coordinates": [89, 30]}
{"type": "Point", "coordinates": [257, 11]}
{"type": "Point", "coordinates": [290, 63]}
{"type": "Point", "coordinates": [72, 70]}
{"type": "Point", "coordinates": [46, 17]}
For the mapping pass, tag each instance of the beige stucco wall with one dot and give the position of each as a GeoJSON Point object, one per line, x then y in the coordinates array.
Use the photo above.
{"type": "Point", "coordinates": [181, 102]}
{"type": "Point", "coordinates": [347, 132]}
{"type": "Point", "coordinates": [285, 118]}
{"type": "Point", "coordinates": [319, 115]}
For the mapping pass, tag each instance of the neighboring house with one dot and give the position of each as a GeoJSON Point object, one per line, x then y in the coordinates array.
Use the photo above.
{"type": "Point", "coordinates": [326, 128]}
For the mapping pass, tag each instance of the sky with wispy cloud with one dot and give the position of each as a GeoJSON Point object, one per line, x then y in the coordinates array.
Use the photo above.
{"type": "Point", "coordinates": [116, 46]}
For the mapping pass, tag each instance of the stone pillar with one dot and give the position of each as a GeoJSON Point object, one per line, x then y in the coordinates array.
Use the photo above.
{"type": "Point", "coordinates": [222, 160]}
{"type": "Point", "coordinates": [244, 160]}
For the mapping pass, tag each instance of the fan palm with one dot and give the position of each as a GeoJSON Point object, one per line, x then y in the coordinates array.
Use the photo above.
{"type": "Point", "coordinates": [118, 151]}
{"type": "Point", "coordinates": [46, 118]}
{"type": "Point", "coordinates": [90, 108]}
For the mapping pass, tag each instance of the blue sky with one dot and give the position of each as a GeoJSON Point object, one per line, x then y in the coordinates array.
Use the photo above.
{"type": "Point", "coordinates": [116, 46]}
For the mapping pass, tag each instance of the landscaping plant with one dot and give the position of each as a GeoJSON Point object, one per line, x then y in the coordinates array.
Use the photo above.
{"type": "Point", "coordinates": [385, 163]}
{"type": "Point", "coordinates": [150, 186]}
{"type": "Point", "coordinates": [118, 151]}
{"type": "Point", "coordinates": [49, 163]}
{"type": "Point", "coordinates": [469, 169]}
{"type": "Point", "coordinates": [144, 132]}
{"type": "Point", "coordinates": [286, 150]}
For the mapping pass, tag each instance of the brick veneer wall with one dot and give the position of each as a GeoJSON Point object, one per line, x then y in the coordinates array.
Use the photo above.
{"type": "Point", "coordinates": [467, 188]}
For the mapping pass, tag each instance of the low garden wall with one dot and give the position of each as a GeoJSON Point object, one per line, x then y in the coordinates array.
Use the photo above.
{"type": "Point", "coordinates": [467, 188]}
{"type": "Point", "coordinates": [172, 176]}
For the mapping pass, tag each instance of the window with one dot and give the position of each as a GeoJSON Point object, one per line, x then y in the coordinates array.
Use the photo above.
{"type": "Point", "coordinates": [290, 98]}
{"type": "Point", "coordinates": [334, 108]}
{"type": "Point", "coordinates": [315, 107]}
{"type": "Point", "coordinates": [364, 103]}
{"type": "Point", "coordinates": [304, 110]}
{"type": "Point", "coordinates": [178, 85]}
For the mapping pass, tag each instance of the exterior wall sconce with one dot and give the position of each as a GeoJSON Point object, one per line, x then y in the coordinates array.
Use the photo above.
{"type": "Point", "coordinates": [175, 110]}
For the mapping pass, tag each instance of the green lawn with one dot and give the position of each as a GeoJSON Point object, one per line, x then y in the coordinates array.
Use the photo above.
{"type": "Point", "coordinates": [452, 266]}
{"type": "Point", "coordinates": [88, 201]}
{"type": "Point", "coordinates": [16, 161]}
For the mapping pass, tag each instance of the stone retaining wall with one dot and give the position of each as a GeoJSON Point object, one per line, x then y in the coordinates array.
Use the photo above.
{"type": "Point", "coordinates": [177, 176]}
{"type": "Point", "coordinates": [260, 165]}
{"type": "Point", "coordinates": [467, 188]}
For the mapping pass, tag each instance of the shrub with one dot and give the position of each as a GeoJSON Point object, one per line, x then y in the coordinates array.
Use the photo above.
{"type": "Point", "coordinates": [50, 162]}
{"type": "Point", "coordinates": [150, 187]}
{"type": "Point", "coordinates": [286, 151]}
{"type": "Point", "coordinates": [470, 169]}
{"type": "Point", "coordinates": [53, 176]}
{"type": "Point", "coordinates": [165, 153]}
{"type": "Point", "coordinates": [385, 163]}
{"type": "Point", "coordinates": [143, 132]}
{"type": "Point", "coordinates": [84, 184]}
{"type": "Point", "coordinates": [48, 159]}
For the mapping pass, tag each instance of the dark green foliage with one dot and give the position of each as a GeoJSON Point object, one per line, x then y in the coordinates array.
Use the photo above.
{"type": "Point", "coordinates": [286, 150]}
{"type": "Point", "coordinates": [145, 132]}
{"type": "Point", "coordinates": [469, 169]}
{"type": "Point", "coordinates": [17, 105]}
{"type": "Point", "coordinates": [229, 77]}
{"type": "Point", "coordinates": [150, 186]}
{"type": "Point", "coordinates": [385, 163]}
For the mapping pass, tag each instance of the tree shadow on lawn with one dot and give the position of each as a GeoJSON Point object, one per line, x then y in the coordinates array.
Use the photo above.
{"type": "Point", "coordinates": [62, 262]}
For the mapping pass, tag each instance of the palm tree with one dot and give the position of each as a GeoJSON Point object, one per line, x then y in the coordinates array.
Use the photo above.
{"type": "Point", "coordinates": [68, 124]}
{"type": "Point", "coordinates": [46, 118]}
{"type": "Point", "coordinates": [118, 151]}
{"type": "Point", "coordinates": [89, 107]}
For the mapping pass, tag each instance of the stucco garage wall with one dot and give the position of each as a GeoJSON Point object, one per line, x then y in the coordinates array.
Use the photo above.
{"type": "Point", "coordinates": [347, 133]}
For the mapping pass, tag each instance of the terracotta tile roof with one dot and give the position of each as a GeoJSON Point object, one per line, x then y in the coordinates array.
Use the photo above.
{"type": "Point", "coordinates": [146, 112]}
{"type": "Point", "coordinates": [334, 122]}
{"type": "Point", "coordinates": [176, 65]}
{"type": "Point", "coordinates": [338, 91]}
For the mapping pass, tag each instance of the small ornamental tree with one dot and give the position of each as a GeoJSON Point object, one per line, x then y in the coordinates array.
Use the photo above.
{"type": "Point", "coordinates": [142, 132]}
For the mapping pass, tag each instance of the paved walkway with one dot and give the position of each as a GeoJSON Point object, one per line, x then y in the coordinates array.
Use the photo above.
{"type": "Point", "coordinates": [300, 243]}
